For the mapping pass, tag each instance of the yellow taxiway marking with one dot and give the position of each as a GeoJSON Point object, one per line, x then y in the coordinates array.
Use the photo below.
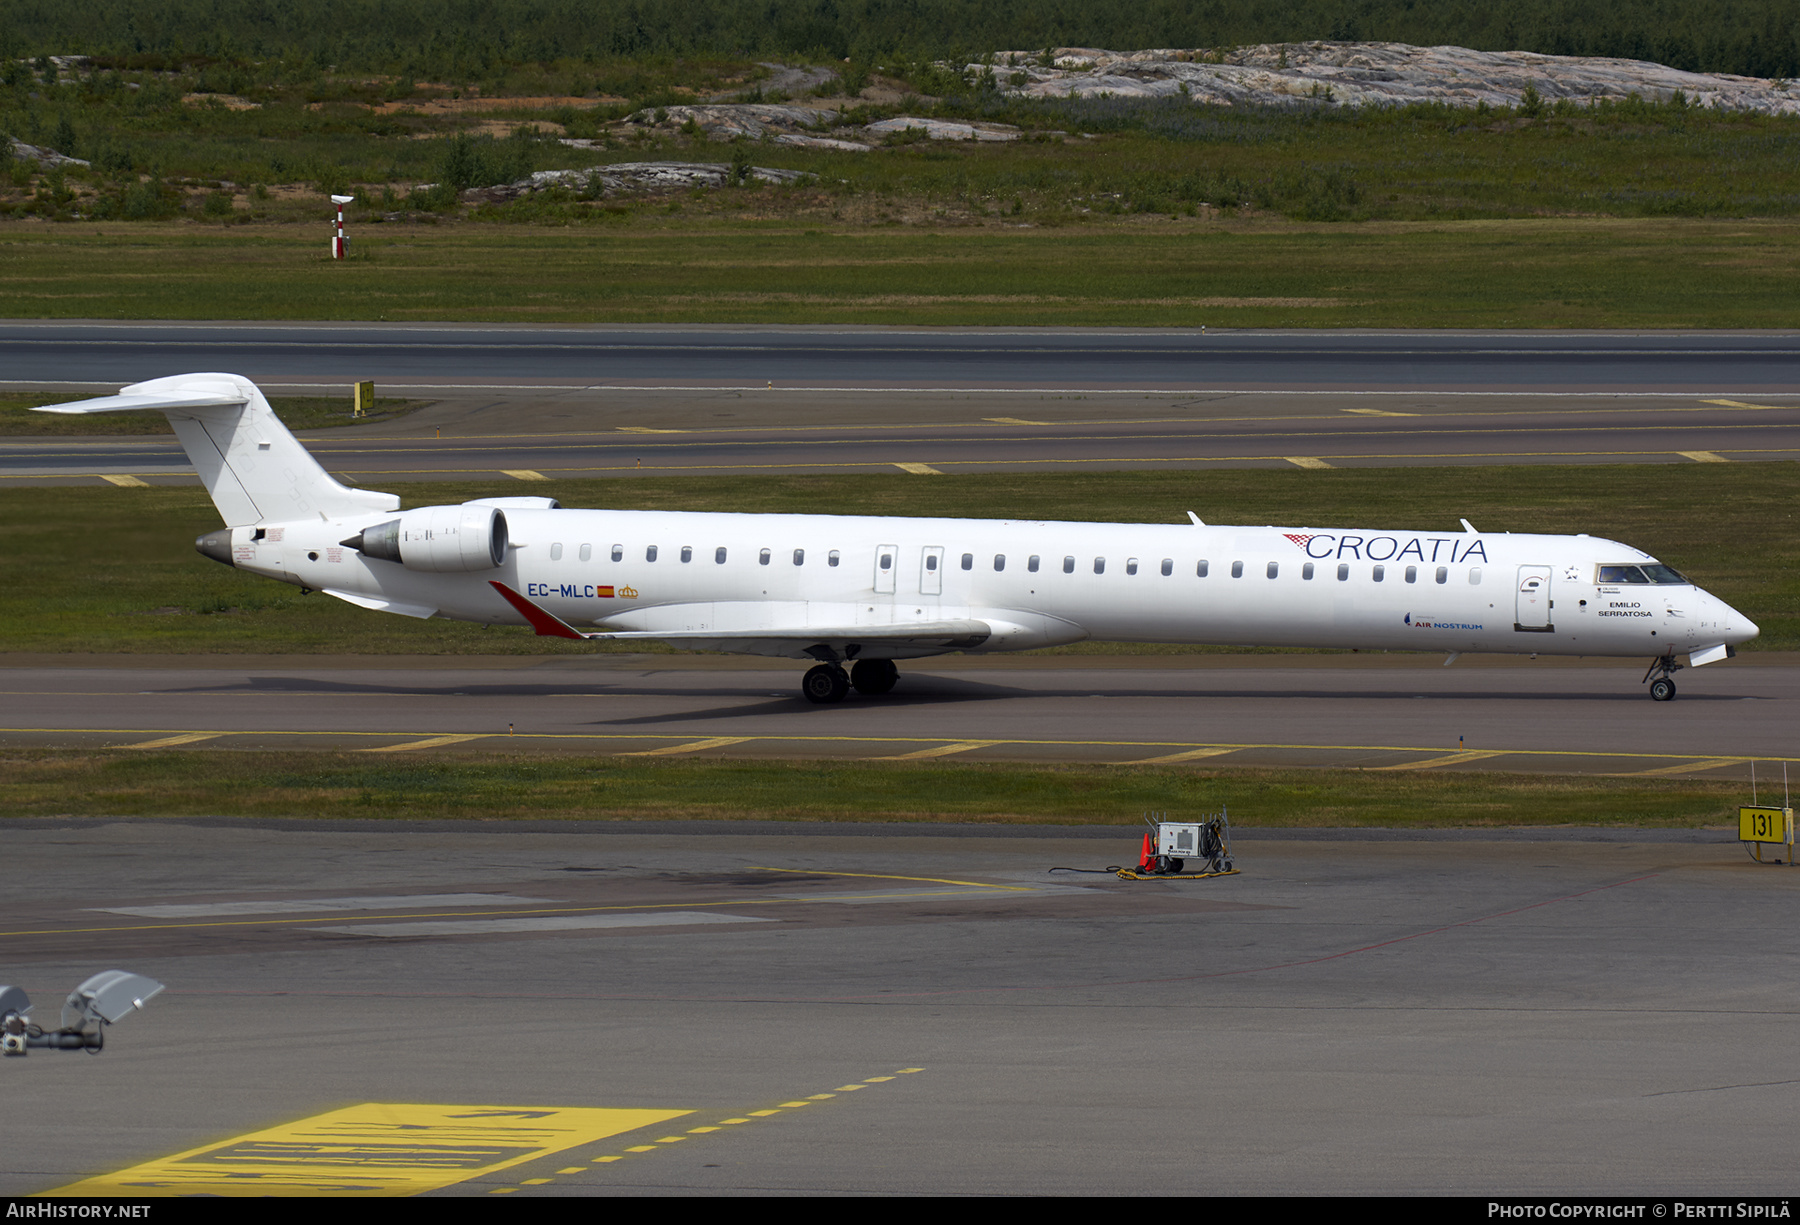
{"type": "Point", "coordinates": [1741, 404]}
{"type": "Point", "coordinates": [919, 469]}
{"type": "Point", "coordinates": [695, 746]}
{"type": "Point", "coordinates": [1306, 461]}
{"type": "Point", "coordinates": [1377, 412]}
{"type": "Point", "coordinates": [942, 750]}
{"type": "Point", "coordinates": [1190, 755]}
{"type": "Point", "coordinates": [524, 474]}
{"type": "Point", "coordinates": [925, 880]}
{"type": "Point", "coordinates": [1451, 760]}
{"type": "Point", "coordinates": [1014, 421]}
{"type": "Point", "coordinates": [645, 429]}
{"type": "Point", "coordinates": [1703, 457]}
{"type": "Point", "coordinates": [169, 742]}
{"type": "Point", "coordinates": [432, 743]}
{"type": "Point", "coordinates": [1690, 767]}
{"type": "Point", "coordinates": [601, 738]}
{"type": "Point", "coordinates": [124, 482]}
{"type": "Point", "coordinates": [376, 1149]}
{"type": "Point", "coordinates": [1049, 464]}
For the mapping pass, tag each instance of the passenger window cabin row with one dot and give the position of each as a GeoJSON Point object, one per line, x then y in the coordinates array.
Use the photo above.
{"type": "Point", "coordinates": [1033, 564]}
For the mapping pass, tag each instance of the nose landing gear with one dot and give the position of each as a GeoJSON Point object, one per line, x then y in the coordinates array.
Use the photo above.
{"type": "Point", "coordinates": [1663, 668]}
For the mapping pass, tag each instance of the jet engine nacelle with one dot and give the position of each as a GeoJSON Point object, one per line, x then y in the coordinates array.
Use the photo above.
{"type": "Point", "coordinates": [439, 539]}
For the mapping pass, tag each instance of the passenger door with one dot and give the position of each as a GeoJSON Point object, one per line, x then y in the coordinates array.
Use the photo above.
{"type": "Point", "coordinates": [1532, 612]}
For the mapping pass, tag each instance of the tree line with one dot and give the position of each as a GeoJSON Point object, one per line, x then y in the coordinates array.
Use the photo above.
{"type": "Point", "coordinates": [459, 40]}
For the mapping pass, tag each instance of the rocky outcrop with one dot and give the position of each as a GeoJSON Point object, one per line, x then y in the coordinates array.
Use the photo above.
{"type": "Point", "coordinates": [943, 129]}
{"type": "Point", "coordinates": [46, 158]}
{"type": "Point", "coordinates": [1370, 74]}
{"type": "Point", "coordinates": [630, 177]}
{"type": "Point", "coordinates": [728, 121]}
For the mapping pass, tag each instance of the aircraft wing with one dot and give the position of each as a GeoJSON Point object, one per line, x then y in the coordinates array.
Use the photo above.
{"type": "Point", "coordinates": [796, 641]}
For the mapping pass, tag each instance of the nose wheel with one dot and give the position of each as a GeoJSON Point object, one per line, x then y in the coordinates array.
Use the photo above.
{"type": "Point", "coordinates": [825, 683]}
{"type": "Point", "coordinates": [1661, 677]}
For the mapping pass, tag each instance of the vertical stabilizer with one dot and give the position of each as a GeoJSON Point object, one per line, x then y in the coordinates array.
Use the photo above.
{"type": "Point", "coordinates": [251, 464]}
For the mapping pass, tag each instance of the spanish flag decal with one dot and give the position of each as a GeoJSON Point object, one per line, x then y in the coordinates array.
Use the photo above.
{"type": "Point", "coordinates": [605, 593]}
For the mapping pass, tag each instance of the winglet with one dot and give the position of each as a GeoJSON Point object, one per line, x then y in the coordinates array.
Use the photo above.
{"type": "Point", "coordinates": [1196, 519]}
{"type": "Point", "coordinates": [1470, 528]}
{"type": "Point", "coordinates": [547, 624]}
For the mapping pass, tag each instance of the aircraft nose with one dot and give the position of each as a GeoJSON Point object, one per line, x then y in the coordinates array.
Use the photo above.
{"type": "Point", "coordinates": [1738, 627]}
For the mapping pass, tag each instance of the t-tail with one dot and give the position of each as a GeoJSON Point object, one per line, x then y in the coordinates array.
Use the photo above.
{"type": "Point", "coordinates": [254, 468]}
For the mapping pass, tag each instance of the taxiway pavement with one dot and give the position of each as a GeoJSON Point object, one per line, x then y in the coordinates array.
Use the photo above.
{"type": "Point", "coordinates": [1359, 711]}
{"type": "Point", "coordinates": [600, 1009]}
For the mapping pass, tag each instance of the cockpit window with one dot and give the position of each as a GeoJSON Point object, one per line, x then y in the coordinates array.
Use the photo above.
{"type": "Point", "coordinates": [1655, 572]}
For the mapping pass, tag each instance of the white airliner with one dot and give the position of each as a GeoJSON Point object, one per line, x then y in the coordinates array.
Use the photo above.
{"type": "Point", "coordinates": [867, 591]}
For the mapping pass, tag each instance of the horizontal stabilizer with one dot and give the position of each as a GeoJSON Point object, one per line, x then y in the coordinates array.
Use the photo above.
{"type": "Point", "coordinates": [253, 467]}
{"type": "Point", "coordinates": [143, 403]}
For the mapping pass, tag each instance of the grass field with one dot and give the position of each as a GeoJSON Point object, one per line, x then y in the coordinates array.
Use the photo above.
{"type": "Point", "coordinates": [113, 570]}
{"type": "Point", "coordinates": [507, 788]}
{"type": "Point", "coordinates": [1147, 270]}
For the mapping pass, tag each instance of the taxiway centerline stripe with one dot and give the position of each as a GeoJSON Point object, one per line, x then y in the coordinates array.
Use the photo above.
{"type": "Point", "coordinates": [1710, 764]}
{"type": "Point", "coordinates": [171, 741]}
{"type": "Point", "coordinates": [786, 739]}
{"type": "Point", "coordinates": [1178, 392]}
{"type": "Point", "coordinates": [432, 743]}
{"type": "Point", "coordinates": [375, 1149]}
{"type": "Point", "coordinates": [926, 880]}
{"type": "Point", "coordinates": [551, 445]}
{"type": "Point", "coordinates": [1451, 760]}
{"type": "Point", "coordinates": [1190, 755]}
{"type": "Point", "coordinates": [942, 750]}
{"type": "Point", "coordinates": [717, 742]}
{"type": "Point", "coordinates": [364, 474]}
{"type": "Point", "coordinates": [749, 1116]}
{"type": "Point", "coordinates": [322, 446]}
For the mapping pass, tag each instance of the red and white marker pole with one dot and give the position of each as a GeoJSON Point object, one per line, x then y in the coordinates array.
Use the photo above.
{"type": "Point", "coordinates": [340, 246]}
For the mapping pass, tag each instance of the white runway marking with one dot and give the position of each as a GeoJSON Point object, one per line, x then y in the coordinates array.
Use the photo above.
{"type": "Point", "coordinates": [559, 923]}
{"type": "Point", "coordinates": [195, 910]}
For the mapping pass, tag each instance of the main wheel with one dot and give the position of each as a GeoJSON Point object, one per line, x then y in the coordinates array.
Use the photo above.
{"type": "Point", "coordinates": [1662, 689]}
{"type": "Point", "coordinates": [825, 683]}
{"type": "Point", "coordinates": [874, 676]}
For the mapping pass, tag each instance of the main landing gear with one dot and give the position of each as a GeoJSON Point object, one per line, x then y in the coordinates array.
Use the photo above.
{"type": "Point", "coordinates": [1662, 668]}
{"type": "Point", "coordinates": [827, 682]}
